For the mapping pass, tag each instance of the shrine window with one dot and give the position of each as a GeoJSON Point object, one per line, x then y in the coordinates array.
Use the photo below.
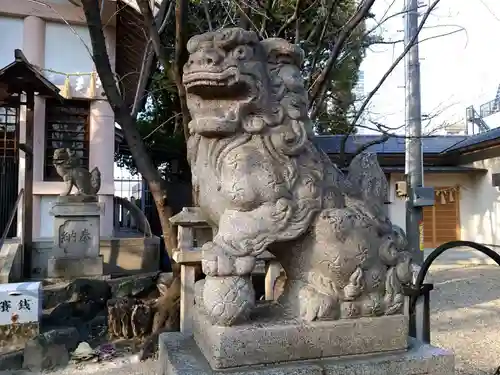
{"type": "Point", "coordinates": [9, 120]}
{"type": "Point", "coordinates": [66, 126]}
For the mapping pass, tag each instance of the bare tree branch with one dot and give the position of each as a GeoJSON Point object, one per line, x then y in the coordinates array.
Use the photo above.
{"type": "Point", "coordinates": [320, 39]}
{"type": "Point", "coordinates": [243, 11]}
{"type": "Point", "coordinates": [318, 86]}
{"type": "Point", "coordinates": [152, 32]}
{"type": "Point", "coordinates": [396, 62]}
{"type": "Point", "coordinates": [207, 15]}
{"type": "Point", "coordinates": [293, 18]}
{"type": "Point", "coordinates": [267, 15]}
{"type": "Point", "coordinates": [367, 145]}
{"type": "Point", "coordinates": [147, 61]}
{"type": "Point", "coordinates": [180, 58]}
{"type": "Point", "coordinates": [462, 29]}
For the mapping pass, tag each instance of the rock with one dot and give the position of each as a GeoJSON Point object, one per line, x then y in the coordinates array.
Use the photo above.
{"type": "Point", "coordinates": [50, 349]}
{"type": "Point", "coordinates": [67, 336]}
{"type": "Point", "coordinates": [83, 290]}
{"type": "Point", "coordinates": [74, 313]}
{"type": "Point", "coordinates": [83, 352]}
{"type": "Point", "coordinates": [95, 328]}
{"type": "Point", "coordinates": [11, 360]}
{"type": "Point", "coordinates": [79, 290]}
{"type": "Point", "coordinates": [45, 358]}
{"type": "Point", "coordinates": [133, 286]}
{"type": "Point", "coordinates": [55, 294]}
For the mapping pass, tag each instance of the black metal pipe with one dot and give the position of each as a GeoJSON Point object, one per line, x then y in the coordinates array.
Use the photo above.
{"type": "Point", "coordinates": [414, 295]}
{"type": "Point", "coordinates": [449, 245]}
{"type": "Point", "coordinates": [426, 318]}
{"type": "Point", "coordinates": [420, 289]}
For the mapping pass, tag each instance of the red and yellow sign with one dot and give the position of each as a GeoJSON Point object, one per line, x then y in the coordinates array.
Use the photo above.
{"type": "Point", "coordinates": [421, 235]}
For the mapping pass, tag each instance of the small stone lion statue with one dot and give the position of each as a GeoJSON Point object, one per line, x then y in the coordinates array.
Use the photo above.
{"type": "Point", "coordinates": [265, 186]}
{"type": "Point", "coordinates": [67, 166]}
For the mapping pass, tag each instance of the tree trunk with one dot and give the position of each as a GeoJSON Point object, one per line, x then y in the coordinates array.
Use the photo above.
{"type": "Point", "coordinates": [136, 145]}
{"type": "Point", "coordinates": [180, 58]}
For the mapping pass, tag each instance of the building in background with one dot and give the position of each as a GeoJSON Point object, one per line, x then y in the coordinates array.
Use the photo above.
{"type": "Point", "coordinates": [359, 92]}
{"type": "Point", "coordinates": [48, 43]}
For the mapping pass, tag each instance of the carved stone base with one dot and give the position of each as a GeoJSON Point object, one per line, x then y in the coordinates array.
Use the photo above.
{"type": "Point", "coordinates": [70, 268]}
{"type": "Point", "coordinates": [270, 338]}
{"type": "Point", "coordinates": [179, 355]}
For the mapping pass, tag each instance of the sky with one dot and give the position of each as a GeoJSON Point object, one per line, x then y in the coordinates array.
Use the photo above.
{"type": "Point", "coordinates": [457, 71]}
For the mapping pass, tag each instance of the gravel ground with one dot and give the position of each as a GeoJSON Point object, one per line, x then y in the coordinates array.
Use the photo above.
{"type": "Point", "coordinates": [466, 316]}
{"type": "Point", "coordinates": [122, 366]}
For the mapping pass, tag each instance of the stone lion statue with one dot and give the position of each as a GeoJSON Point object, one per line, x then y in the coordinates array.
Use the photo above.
{"type": "Point", "coordinates": [265, 186]}
{"type": "Point", "coordinates": [68, 167]}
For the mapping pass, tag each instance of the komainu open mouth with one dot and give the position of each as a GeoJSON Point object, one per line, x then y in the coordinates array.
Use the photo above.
{"type": "Point", "coordinates": [215, 85]}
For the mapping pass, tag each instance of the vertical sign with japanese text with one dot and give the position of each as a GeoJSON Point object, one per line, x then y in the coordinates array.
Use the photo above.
{"type": "Point", "coordinates": [421, 235]}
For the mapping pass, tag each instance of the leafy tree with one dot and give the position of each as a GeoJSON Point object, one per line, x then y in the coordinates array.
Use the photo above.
{"type": "Point", "coordinates": [314, 25]}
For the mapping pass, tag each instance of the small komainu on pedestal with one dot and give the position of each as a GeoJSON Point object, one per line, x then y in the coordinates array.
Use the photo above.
{"type": "Point", "coordinates": [265, 186]}
{"type": "Point", "coordinates": [76, 251]}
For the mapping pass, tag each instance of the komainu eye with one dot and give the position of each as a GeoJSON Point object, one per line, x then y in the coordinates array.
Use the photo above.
{"type": "Point", "coordinates": [242, 52]}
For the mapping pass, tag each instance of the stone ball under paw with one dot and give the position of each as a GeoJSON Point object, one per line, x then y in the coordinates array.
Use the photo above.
{"type": "Point", "coordinates": [228, 299]}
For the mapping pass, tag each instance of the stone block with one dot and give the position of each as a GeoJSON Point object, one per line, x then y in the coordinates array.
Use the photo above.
{"type": "Point", "coordinates": [179, 355]}
{"type": "Point", "coordinates": [76, 228]}
{"type": "Point", "coordinates": [50, 349]}
{"type": "Point", "coordinates": [69, 268]}
{"type": "Point", "coordinates": [270, 339]}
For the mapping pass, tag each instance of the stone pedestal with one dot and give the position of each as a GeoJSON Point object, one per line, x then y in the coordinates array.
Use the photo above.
{"type": "Point", "coordinates": [179, 355]}
{"type": "Point", "coordinates": [270, 338]}
{"type": "Point", "coordinates": [76, 238]}
{"type": "Point", "coordinates": [272, 344]}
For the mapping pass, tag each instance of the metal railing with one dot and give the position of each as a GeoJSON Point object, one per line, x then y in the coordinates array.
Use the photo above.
{"type": "Point", "coordinates": [12, 215]}
{"type": "Point", "coordinates": [419, 292]}
{"type": "Point", "coordinates": [128, 217]}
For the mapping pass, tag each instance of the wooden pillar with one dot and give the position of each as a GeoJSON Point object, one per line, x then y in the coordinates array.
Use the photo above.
{"type": "Point", "coordinates": [27, 220]}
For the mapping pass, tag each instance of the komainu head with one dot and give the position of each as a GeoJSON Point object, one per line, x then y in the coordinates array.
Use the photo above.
{"type": "Point", "coordinates": [63, 156]}
{"type": "Point", "coordinates": [236, 83]}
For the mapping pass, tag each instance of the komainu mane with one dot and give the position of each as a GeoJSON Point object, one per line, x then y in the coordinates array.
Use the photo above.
{"type": "Point", "coordinates": [266, 186]}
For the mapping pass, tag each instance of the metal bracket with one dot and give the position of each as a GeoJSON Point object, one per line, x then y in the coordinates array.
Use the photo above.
{"type": "Point", "coordinates": [422, 330]}
{"type": "Point", "coordinates": [423, 196]}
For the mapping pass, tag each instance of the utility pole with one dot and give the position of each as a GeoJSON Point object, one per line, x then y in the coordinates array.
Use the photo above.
{"type": "Point", "coordinates": [413, 153]}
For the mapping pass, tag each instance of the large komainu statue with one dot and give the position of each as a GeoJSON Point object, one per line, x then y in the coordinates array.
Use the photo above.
{"type": "Point", "coordinates": [265, 186]}
{"type": "Point", "coordinates": [68, 167]}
